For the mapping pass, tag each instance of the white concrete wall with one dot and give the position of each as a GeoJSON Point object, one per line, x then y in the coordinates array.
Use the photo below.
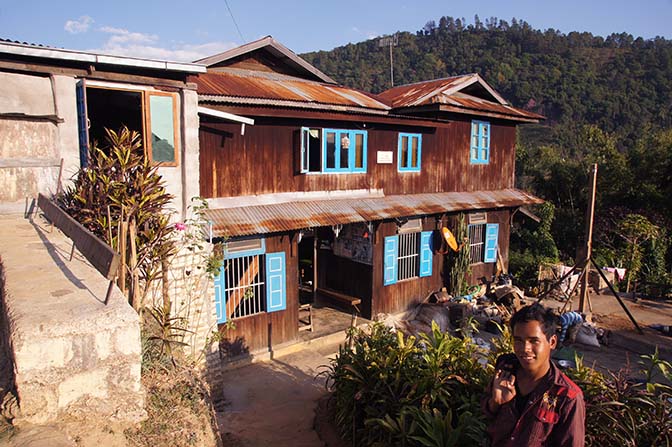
{"type": "Point", "coordinates": [74, 356]}
{"type": "Point", "coordinates": [30, 149]}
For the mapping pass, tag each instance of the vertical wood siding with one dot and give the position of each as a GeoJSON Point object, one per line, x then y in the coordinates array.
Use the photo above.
{"type": "Point", "coordinates": [263, 160]}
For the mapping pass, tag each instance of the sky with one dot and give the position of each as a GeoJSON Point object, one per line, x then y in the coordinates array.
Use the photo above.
{"type": "Point", "coordinates": [183, 30]}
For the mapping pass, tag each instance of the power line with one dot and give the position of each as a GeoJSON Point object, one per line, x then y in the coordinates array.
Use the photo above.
{"type": "Point", "coordinates": [234, 21]}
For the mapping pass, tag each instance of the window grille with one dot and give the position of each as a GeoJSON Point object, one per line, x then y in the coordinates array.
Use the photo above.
{"type": "Point", "coordinates": [409, 256]}
{"type": "Point", "coordinates": [477, 242]}
{"type": "Point", "coordinates": [245, 287]}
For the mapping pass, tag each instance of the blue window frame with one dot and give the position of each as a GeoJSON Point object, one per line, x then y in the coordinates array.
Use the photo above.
{"type": "Point", "coordinates": [480, 142]}
{"type": "Point", "coordinates": [409, 151]}
{"type": "Point", "coordinates": [344, 150]}
{"type": "Point", "coordinates": [407, 256]}
{"type": "Point", "coordinates": [250, 281]}
{"type": "Point", "coordinates": [483, 240]}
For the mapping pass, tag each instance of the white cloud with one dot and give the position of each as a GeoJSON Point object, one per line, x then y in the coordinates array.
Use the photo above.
{"type": "Point", "coordinates": [123, 42]}
{"type": "Point", "coordinates": [80, 25]}
{"type": "Point", "coordinates": [367, 34]}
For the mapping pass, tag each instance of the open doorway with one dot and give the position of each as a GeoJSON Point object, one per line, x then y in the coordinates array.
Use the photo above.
{"type": "Point", "coordinates": [306, 266]}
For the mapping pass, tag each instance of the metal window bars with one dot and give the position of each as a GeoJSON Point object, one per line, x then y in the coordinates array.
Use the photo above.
{"type": "Point", "coordinates": [245, 286]}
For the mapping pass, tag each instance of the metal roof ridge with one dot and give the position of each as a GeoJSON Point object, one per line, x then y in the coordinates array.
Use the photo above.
{"type": "Point", "coordinates": [101, 58]}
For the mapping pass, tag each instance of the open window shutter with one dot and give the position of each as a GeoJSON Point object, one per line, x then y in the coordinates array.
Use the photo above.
{"type": "Point", "coordinates": [491, 234]}
{"type": "Point", "coordinates": [220, 296]}
{"type": "Point", "coordinates": [426, 253]}
{"type": "Point", "coordinates": [390, 262]}
{"type": "Point", "coordinates": [83, 124]}
{"type": "Point", "coordinates": [276, 296]}
{"type": "Point", "coordinates": [303, 150]}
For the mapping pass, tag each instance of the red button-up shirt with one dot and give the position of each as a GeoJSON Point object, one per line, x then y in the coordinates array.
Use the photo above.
{"type": "Point", "coordinates": [553, 416]}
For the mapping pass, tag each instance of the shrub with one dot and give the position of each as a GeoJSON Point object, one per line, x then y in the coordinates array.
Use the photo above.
{"type": "Point", "coordinates": [120, 184]}
{"type": "Point", "coordinates": [394, 390]}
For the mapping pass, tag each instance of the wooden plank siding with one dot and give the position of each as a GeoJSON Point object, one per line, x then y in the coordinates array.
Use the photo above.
{"type": "Point", "coordinates": [268, 329]}
{"type": "Point", "coordinates": [404, 294]}
{"type": "Point", "coordinates": [263, 160]}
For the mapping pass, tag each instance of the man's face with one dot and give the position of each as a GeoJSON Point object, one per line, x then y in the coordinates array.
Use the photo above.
{"type": "Point", "coordinates": [531, 346]}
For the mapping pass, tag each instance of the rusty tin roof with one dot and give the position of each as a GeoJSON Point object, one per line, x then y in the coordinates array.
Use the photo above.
{"type": "Point", "coordinates": [288, 216]}
{"type": "Point", "coordinates": [239, 86]}
{"type": "Point", "coordinates": [457, 92]}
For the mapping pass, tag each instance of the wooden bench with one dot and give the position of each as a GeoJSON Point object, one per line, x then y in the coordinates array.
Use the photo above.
{"type": "Point", "coordinates": [341, 298]}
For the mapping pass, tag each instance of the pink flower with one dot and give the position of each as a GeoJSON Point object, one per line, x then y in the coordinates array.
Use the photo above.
{"type": "Point", "coordinates": [180, 226]}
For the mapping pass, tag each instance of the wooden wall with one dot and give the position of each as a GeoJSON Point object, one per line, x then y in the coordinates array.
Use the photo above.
{"type": "Point", "coordinates": [268, 329]}
{"type": "Point", "coordinates": [404, 294]}
{"type": "Point", "coordinates": [263, 161]}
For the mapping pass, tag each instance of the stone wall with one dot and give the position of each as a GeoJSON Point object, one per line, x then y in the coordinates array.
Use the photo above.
{"type": "Point", "coordinates": [192, 299]}
{"type": "Point", "coordinates": [74, 356]}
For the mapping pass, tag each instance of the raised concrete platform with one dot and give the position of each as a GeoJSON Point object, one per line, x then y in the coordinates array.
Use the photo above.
{"type": "Point", "coordinates": [74, 356]}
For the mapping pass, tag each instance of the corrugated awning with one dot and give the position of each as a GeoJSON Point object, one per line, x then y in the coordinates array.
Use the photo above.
{"type": "Point", "coordinates": [288, 216]}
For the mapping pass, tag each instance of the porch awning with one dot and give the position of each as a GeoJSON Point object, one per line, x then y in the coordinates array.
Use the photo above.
{"type": "Point", "coordinates": [296, 215]}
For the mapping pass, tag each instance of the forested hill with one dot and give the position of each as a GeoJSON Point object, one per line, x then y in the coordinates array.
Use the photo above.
{"type": "Point", "coordinates": [608, 100]}
{"type": "Point", "coordinates": [617, 82]}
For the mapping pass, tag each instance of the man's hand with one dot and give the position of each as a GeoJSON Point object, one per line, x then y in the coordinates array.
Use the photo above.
{"type": "Point", "coordinates": [503, 389]}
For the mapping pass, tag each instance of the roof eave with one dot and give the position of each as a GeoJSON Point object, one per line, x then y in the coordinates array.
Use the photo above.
{"type": "Point", "coordinates": [464, 111]}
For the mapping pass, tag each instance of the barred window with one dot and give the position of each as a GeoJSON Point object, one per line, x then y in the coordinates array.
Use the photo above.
{"type": "Point", "coordinates": [245, 292]}
{"type": "Point", "coordinates": [477, 242]}
{"type": "Point", "coordinates": [409, 256]}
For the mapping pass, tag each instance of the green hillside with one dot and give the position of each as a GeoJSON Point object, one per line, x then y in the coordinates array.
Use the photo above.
{"type": "Point", "coordinates": [608, 100]}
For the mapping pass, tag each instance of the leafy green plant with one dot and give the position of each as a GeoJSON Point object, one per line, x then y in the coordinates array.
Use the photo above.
{"type": "Point", "coordinates": [383, 376]}
{"type": "Point", "coordinates": [163, 335]}
{"type": "Point", "coordinates": [120, 185]}
{"type": "Point", "coordinates": [459, 263]}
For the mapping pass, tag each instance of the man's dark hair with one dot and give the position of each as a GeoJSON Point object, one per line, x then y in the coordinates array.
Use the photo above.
{"type": "Point", "coordinates": [536, 312]}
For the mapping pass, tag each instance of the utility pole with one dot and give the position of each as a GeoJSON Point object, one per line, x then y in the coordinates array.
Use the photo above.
{"type": "Point", "coordinates": [590, 217]}
{"type": "Point", "coordinates": [391, 41]}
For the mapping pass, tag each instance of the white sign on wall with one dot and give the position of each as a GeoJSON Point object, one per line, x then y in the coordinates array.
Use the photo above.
{"type": "Point", "coordinates": [384, 157]}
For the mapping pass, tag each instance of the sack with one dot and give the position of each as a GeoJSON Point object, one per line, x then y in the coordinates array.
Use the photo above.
{"type": "Point", "coordinates": [587, 335]}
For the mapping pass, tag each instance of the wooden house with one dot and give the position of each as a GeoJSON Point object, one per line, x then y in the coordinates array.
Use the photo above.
{"type": "Point", "coordinates": [342, 193]}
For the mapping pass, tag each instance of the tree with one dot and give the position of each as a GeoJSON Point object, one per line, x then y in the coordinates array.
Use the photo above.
{"type": "Point", "coordinates": [635, 229]}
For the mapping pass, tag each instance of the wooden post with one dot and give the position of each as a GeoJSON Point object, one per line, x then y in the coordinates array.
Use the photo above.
{"type": "Point", "coordinates": [122, 251]}
{"type": "Point", "coordinates": [133, 265]}
{"type": "Point", "coordinates": [590, 216]}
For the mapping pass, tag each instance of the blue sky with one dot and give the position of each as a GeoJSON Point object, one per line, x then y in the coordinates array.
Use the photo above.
{"type": "Point", "coordinates": [187, 30]}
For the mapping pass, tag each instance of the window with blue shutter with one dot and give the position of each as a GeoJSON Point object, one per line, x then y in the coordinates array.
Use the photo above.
{"type": "Point", "coordinates": [426, 253]}
{"type": "Point", "coordinates": [390, 260]}
{"type": "Point", "coordinates": [276, 296]}
{"type": "Point", "coordinates": [491, 235]}
{"type": "Point", "coordinates": [220, 296]}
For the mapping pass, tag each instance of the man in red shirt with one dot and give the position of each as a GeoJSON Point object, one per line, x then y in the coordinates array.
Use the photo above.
{"type": "Point", "coordinates": [530, 402]}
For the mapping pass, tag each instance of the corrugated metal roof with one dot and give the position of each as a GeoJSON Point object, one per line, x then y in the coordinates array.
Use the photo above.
{"type": "Point", "coordinates": [244, 84]}
{"type": "Point", "coordinates": [409, 95]}
{"type": "Point", "coordinates": [282, 217]}
{"type": "Point", "coordinates": [449, 91]}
